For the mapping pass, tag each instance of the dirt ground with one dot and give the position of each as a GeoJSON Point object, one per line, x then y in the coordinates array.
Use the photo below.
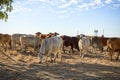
{"type": "Point", "coordinates": [17, 66]}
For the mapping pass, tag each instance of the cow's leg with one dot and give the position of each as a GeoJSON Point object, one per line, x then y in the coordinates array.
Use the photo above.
{"type": "Point", "coordinates": [55, 55]}
{"type": "Point", "coordinates": [51, 60]}
{"type": "Point", "coordinates": [50, 55]}
{"type": "Point", "coordinates": [25, 48]}
{"type": "Point", "coordinates": [12, 45]}
{"type": "Point", "coordinates": [85, 52]}
{"type": "Point", "coordinates": [95, 50]}
{"type": "Point", "coordinates": [118, 55]}
{"type": "Point", "coordinates": [41, 57]}
{"type": "Point", "coordinates": [72, 49]}
{"type": "Point", "coordinates": [60, 56]}
{"type": "Point", "coordinates": [34, 47]}
{"type": "Point", "coordinates": [81, 53]}
{"type": "Point", "coordinates": [63, 49]}
{"type": "Point", "coordinates": [22, 48]}
{"type": "Point", "coordinates": [78, 49]}
{"type": "Point", "coordinates": [5, 46]}
{"type": "Point", "coordinates": [9, 45]}
{"type": "Point", "coordinates": [46, 57]}
{"type": "Point", "coordinates": [111, 53]}
{"type": "Point", "coordinates": [60, 53]}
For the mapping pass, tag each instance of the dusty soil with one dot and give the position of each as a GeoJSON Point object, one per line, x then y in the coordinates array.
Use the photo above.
{"type": "Point", "coordinates": [17, 66]}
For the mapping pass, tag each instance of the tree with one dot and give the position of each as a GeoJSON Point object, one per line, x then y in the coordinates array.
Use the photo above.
{"type": "Point", "coordinates": [5, 7]}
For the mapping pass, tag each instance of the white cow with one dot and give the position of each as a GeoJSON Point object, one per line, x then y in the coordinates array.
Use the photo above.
{"type": "Point", "coordinates": [52, 45]}
{"type": "Point", "coordinates": [83, 44]}
{"type": "Point", "coordinates": [29, 41]}
{"type": "Point", "coordinates": [16, 39]}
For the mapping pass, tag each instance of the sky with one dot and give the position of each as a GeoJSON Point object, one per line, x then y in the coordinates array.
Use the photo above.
{"type": "Point", "coordinates": [67, 17]}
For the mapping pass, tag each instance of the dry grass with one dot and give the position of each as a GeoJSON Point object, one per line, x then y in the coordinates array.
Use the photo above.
{"type": "Point", "coordinates": [72, 67]}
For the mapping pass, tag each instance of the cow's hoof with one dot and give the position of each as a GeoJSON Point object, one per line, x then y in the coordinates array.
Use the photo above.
{"type": "Point", "coordinates": [110, 59]}
{"type": "Point", "coordinates": [116, 59]}
{"type": "Point", "coordinates": [40, 62]}
{"type": "Point", "coordinates": [52, 61]}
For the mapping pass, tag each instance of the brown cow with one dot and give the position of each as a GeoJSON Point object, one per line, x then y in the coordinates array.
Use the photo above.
{"type": "Point", "coordinates": [41, 36]}
{"type": "Point", "coordinates": [99, 42]}
{"type": "Point", "coordinates": [1, 38]}
{"type": "Point", "coordinates": [38, 33]}
{"type": "Point", "coordinates": [52, 34]}
{"type": "Point", "coordinates": [113, 45]}
{"type": "Point", "coordinates": [70, 41]}
{"type": "Point", "coordinates": [103, 40]}
{"type": "Point", "coordinates": [44, 36]}
{"type": "Point", "coordinates": [5, 41]}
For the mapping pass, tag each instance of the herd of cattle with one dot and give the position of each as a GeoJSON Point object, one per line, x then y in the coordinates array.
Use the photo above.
{"type": "Point", "coordinates": [51, 44]}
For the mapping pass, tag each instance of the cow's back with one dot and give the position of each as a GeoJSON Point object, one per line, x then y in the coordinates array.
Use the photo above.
{"type": "Point", "coordinates": [16, 38]}
{"type": "Point", "coordinates": [51, 44]}
{"type": "Point", "coordinates": [66, 40]}
{"type": "Point", "coordinates": [74, 42]}
{"type": "Point", "coordinates": [29, 41]}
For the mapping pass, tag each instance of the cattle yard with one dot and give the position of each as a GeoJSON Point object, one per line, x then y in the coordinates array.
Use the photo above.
{"type": "Point", "coordinates": [15, 65]}
{"type": "Point", "coordinates": [20, 55]}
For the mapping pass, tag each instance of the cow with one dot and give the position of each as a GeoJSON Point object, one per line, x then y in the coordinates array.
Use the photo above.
{"type": "Point", "coordinates": [83, 44]}
{"type": "Point", "coordinates": [52, 45]}
{"type": "Point", "coordinates": [1, 39]}
{"type": "Point", "coordinates": [53, 34]}
{"type": "Point", "coordinates": [70, 41]}
{"type": "Point", "coordinates": [5, 41]}
{"type": "Point", "coordinates": [16, 39]}
{"type": "Point", "coordinates": [113, 45]}
{"type": "Point", "coordinates": [29, 41]}
{"type": "Point", "coordinates": [44, 36]}
{"type": "Point", "coordinates": [38, 33]}
{"type": "Point", "coordinates": [99, 42]}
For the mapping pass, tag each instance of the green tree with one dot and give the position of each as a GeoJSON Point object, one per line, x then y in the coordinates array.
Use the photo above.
{"type": "Point", "coordinates": [5, 7]}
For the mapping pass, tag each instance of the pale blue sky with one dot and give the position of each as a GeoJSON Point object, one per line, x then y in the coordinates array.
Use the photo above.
{"type": "Point", "coordinates": [64, 16]}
